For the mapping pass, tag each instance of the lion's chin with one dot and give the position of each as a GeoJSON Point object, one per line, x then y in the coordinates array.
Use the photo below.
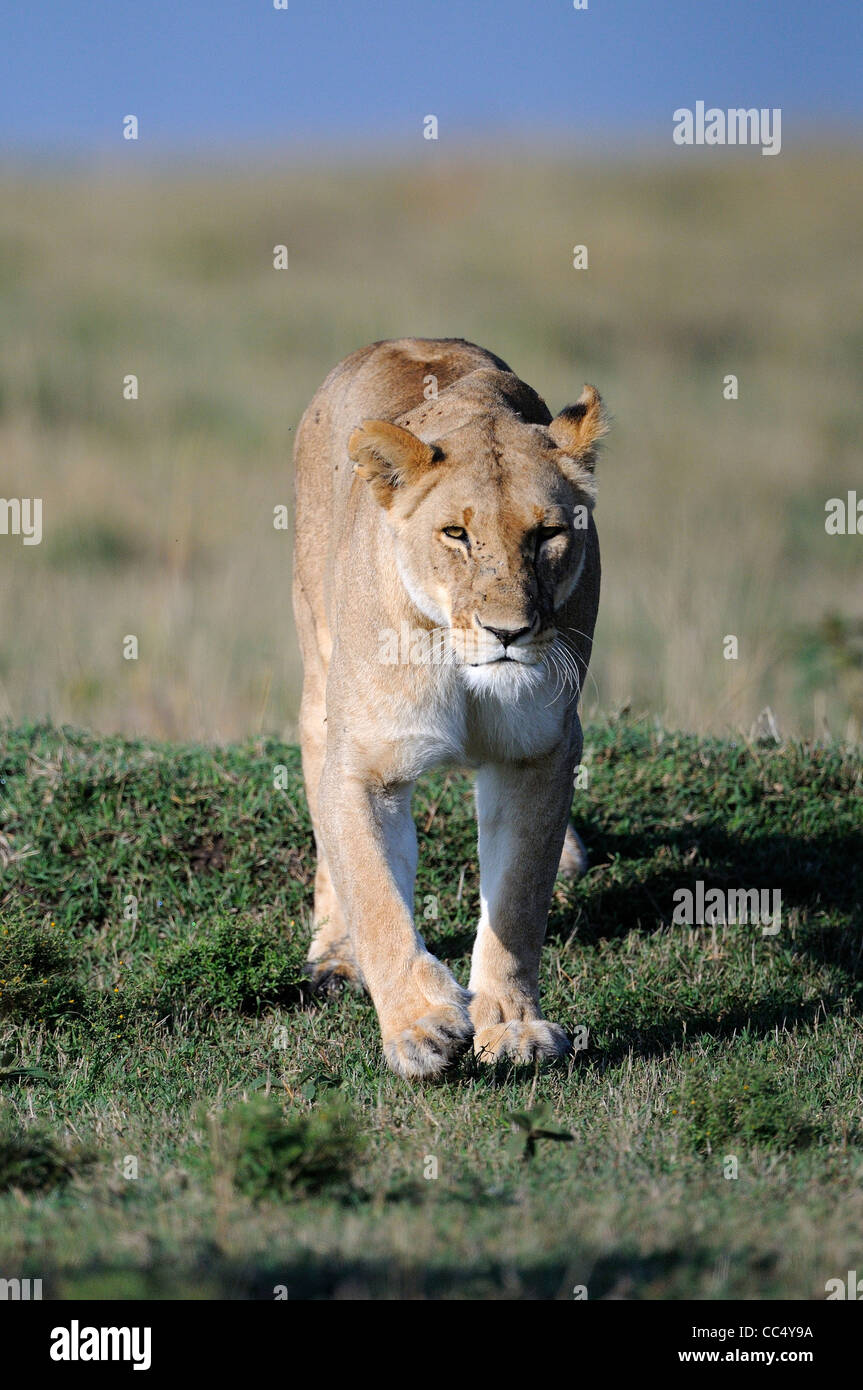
{"type": "Point", "coordinates": [504, 679]}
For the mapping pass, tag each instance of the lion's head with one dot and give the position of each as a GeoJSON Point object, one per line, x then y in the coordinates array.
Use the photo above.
{"type": "Point", "coordinates": [490, 516]}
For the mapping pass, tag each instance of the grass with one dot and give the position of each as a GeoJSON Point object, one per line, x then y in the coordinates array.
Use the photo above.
{"type": "Point", "coordinates": [179, 1119]}
{"type": "Point", "coordinates": [158, 512]}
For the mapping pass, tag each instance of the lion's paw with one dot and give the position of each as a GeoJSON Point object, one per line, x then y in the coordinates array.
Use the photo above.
{"type": "Point", "coordinates": [329, 974]}
{"type": "Point", "coordinates": [428, 1024]}
{"type": "Point", "coordinates": [521, 1042]}
{"type": "Point", "coordinates": [431, 1044]}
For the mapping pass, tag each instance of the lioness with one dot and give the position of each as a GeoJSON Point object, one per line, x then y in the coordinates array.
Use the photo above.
{"type": "Point", "coordinates": [464, 526]}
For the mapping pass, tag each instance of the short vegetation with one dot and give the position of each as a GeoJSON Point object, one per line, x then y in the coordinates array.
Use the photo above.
{"type": "Point", "coordinates": [178, 1116]}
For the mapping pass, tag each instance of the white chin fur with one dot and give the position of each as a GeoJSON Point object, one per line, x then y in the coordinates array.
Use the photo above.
{"type": "Point", "coordinates": [503, 679]}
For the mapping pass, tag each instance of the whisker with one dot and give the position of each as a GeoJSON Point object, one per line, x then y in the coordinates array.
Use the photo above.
{"type": "Point", "coordinates": [562, 662]}
{"type": "Point", "coordinates": [550, 657]}
{"type": "Point", "coordinates": [572, 666]}
{"type": "Point", "coordinates": [570, 647]}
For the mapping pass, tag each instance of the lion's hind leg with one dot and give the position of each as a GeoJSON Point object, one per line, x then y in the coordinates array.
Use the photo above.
{"type": "Point", "coordinates": [330, 962]}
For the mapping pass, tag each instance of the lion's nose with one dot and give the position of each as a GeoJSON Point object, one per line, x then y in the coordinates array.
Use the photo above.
{"type": "Point", "coordinates": [505, 635]}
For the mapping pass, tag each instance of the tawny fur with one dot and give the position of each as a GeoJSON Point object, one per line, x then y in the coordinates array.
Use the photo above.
{"type": "Point", "coordinates": [462, 519]}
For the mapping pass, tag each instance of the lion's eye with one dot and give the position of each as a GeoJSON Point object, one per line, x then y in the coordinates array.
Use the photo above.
{"type": "Point", "coordinates": [548, 533]}
{"type": "Point", "coordinates": [455, 533]}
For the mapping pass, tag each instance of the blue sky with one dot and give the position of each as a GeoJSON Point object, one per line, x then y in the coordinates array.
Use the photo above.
{"type": "Point", "coordinates": [347, 73]}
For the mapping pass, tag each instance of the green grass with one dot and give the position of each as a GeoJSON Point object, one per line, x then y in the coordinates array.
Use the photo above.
{"type": "Point", "coordinates": [154, 914]}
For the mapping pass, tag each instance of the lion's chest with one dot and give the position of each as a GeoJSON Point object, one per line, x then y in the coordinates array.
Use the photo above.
{"type": "Point", "coordinates": [498, 729]}
{"type": "Point", "coordinates": [453, 724]}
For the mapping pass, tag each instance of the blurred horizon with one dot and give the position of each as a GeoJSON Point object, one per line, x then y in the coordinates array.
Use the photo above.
{"type": "Point", "coordinates": [304, 127]}
{"type": "Point", "coordinates": [158, 512]}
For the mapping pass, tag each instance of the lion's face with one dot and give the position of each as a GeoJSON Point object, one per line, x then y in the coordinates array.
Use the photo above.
{"type": "Point", "coordinates": [490, 527]}
{"type": "Point", "coordinates": [492, 551]}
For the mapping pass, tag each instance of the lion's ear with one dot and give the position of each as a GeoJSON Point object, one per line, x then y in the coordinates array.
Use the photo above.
{"type": "Point", "coordinates": [388, 457]}
{"type": "Point", "coordinates": [578, 428]}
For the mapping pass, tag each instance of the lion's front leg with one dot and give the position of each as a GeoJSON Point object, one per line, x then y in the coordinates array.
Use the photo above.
{"type": "Point", "coordinates": [522, 813]}
{"type": "Point", "coordinates": [370, 842]}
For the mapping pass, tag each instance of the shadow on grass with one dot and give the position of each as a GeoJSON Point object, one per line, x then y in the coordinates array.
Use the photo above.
{"type": "Point", "coordinates": [612, 1276]}
{"type": "Point", "coordinates": [757, 1021]}
{"type": "Point", "coordinates": [818, 876]}
{"type": "Point", "coordinates": [824, 873]}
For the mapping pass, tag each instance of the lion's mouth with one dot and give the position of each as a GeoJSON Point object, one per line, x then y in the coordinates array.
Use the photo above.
{"type": "Point", "coordinates": [506, 660]}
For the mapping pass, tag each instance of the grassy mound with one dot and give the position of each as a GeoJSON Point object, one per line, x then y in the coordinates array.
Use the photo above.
{"type": "Point", "coordinates": [226, 1136]}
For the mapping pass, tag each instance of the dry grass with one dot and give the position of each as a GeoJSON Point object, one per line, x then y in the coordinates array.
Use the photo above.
{"type": "Point", "coordinates": [158, 513]}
